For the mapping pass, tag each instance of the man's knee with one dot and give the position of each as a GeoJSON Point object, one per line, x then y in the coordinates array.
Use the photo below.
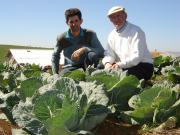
{"type": "Point", "coordinates": [93, 58]}
{"type": "Point", "coordinates": [92, 55]}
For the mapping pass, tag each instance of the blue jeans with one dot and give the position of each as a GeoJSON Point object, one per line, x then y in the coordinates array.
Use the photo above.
{"type": "Point", "coordinates": [86, 60]}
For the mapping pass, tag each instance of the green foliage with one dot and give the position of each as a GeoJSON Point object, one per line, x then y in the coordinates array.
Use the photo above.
{"type": "Point", "coordinates": [147, 103]}
{"type": "Point", "coordinates": [174, 110]}
{"type": "Point", "coordinates": [76, 75]}
{"type": "Point", "coordinates": [47, 105]}
{"type": "Point", "coordinates": [174, 75]}
{"type": "Point", "coordinates": [64, 107]}
{"type": "Point", "coordinates": [93, 105]}
{"type": "Point", "coordinates": [142, 100]}
{"type": "Point", "coordinates": [162, 60]}
{"type": "Point", "coordinates": [2, 67]}
{"type": "Point", "coordinates": [120, 93]}
{"type": "Point", "coordinates": [29, 87]}
{"type": "Point", "coordinates": [118, 85]}
{"type": "Point", "coordinates": [165, 99]}
{"type": "Point", "coordinates": [66, 118]}
{"type": "Point", "coordinates": [24, 117]}
{"type": "Point", "coordinates": [12, 100]}
{"type": "Point", "coordinates": [175, 78]}
{"type": "Point", "coordinates": [169, 72]}
{"type": "Point", "coordinates": [31, 70]}
{"type": "Point", "coordinates": [78, 101]}
{"type": "Point", "coordinates": [103, 77]}
{"type": "Point", "coordinates": [7, 80]}
{"type": "Point", "coordinates": [177, 69]}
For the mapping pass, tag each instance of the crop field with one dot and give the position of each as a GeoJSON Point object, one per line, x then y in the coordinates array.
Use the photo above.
{"type": "Point", "coordinates": [94, 102]}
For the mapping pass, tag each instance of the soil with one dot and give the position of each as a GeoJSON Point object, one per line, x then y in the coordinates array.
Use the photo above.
{"type": "Point", "coordinates": [175, 131]}
{"type": "Point", "coordinates": [5, 127]}
{"type": "Point", "coordinates": [112, 126]}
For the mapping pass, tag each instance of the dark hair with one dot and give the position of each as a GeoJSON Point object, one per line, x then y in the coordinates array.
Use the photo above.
{"type": "Point", "coordinates": [72, 12]}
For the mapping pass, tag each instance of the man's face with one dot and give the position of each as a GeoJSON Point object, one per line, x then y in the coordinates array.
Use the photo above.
{"type": "Point", "coordinates": [118, 19]}
{"type": "Point", "coordinates": [74, 23]}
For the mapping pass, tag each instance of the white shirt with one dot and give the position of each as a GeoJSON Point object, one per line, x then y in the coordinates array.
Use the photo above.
{"type": "Point", "coordinates": [127, 47]}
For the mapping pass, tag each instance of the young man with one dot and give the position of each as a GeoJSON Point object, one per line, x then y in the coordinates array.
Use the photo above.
{"type": "Point", "coordinates": [81, 47]}
{"type": "Point", "coordinates": [127, 48]}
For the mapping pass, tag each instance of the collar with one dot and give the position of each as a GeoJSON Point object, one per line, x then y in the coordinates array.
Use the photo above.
{"type": "Point", "coordinates": [69, 34]}
{"type": "Point", "coordinates": [122, 28]}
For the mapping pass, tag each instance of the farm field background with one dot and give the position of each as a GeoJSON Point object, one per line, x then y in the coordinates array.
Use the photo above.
{"type": "Point", "coordinates": [93, 93]}
{"type": "Point", "coordinates": [5, 48]}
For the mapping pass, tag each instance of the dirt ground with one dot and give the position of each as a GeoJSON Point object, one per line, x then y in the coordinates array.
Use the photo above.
{"type": "Point", "coordinates": [5, 127]}
{"type": "Point", "coordinates": [111, 126]}
{"type": "Point", "coordinates": [166, 132]}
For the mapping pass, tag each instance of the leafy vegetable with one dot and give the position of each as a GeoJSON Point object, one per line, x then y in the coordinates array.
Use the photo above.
{"type": "Point", "coordinates": [76, 75]}
{"type": "Point", "coordinates": [147, 103]}
{"type": "Point", "coordinates": [64, 107]}
{"type": "Point", "coordinates": [29, 87]}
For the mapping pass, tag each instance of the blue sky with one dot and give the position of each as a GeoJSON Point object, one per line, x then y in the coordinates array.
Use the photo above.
{"type": "Point", "coordinates": [38, 22]}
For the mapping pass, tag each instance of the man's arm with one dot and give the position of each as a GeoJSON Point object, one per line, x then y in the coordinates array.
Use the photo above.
{"type": "Point", "coordinates": [109, 54]}
{"type": "Point", "coordinates": [76, 54]}
{"type": "Point", "coordinates": [56, 58]}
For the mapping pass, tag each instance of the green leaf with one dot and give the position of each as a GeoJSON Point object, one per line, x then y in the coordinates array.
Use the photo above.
{"type": "Point", "coordinates": [8, 81]}
{"type": "Point", "coordinates": [149, 104]}
{"type": "Point", "coordinates": [47, 105]}
{"type": "Point", "coordinates": [24, 117]}
{"type": "Point", "coordinates": [121, 92]}
{"type": "Point", "coordinates": [29, 87]}
{"type": "Point", "coordinates": [31, 70]}
{"type": "Point", "coordinates": [2, 67]}
{"type": "Point", "coordinates": [173, 110]}
{"type": "Point", "coordinates": [161, 60]}
{"type": "Point", "coordinates": [165, 98]}
{"type": "Point", "coordinates": [145, 98]}
{"type": "Point", "coordinates": [175, 78]}
{"type": "Point", "coordinates": [177, 68]}
{"type": "Point", "coordinates": [106, 77]}
{"type": "Point", "coordinates": [76, 75]}
{"type": "Point", "coordinates": [95, 110]}
{"type": "Point", "coordinates": [65, 120]}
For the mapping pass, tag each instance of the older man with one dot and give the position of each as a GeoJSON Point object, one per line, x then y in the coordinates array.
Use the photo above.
{"type": "Point", "coordinates": [127, 48]}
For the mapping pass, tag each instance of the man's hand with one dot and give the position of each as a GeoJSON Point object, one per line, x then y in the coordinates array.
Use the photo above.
{"type": "Point", "coordinates": [108, 66]}
{"type": "Point", "coordinates": [76, 54]}
{"type": "Point", "coordinates": [115, 66]}
{"type": "Point", "coordinates": [111, 66]}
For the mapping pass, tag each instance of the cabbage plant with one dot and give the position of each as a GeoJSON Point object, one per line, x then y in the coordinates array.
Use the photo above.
{"type": "Point", "coordinates": [63, 106]}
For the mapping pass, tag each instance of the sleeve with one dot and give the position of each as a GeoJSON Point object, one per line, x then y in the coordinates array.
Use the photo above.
{"type": "Point", "coordinates": [109, 53]}
{"type": "Point", "coordinates": [96, 46]}
{"type": "Point", "coordinates": [56, 58]}
{"type": "Point", "coordinates": [138, 46]}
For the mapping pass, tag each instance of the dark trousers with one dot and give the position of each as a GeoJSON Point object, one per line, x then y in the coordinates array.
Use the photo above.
{"type": "Point", "coordinates": [141, 71]}
{"type": "Point", "coordinates": [87, 59]}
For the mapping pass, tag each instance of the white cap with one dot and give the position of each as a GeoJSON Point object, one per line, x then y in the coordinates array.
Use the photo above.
{"type": "Point", "coordinates": [115, 9]}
